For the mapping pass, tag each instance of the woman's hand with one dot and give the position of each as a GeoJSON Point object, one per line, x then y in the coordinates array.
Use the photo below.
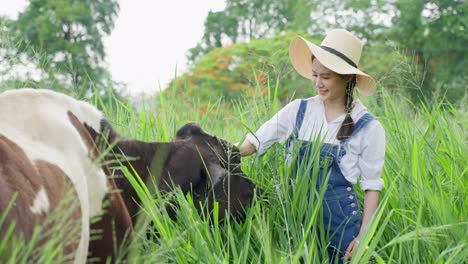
{"type": "Point", "coordinates": [351, 248]}
{"type": "Point", "coordinates": [371, 200]}
{"type": "Point", "coordinates": [247, 148]}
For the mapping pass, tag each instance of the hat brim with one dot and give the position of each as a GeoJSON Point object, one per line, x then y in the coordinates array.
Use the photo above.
{"type": "Point", "coordinates": [301, 51]}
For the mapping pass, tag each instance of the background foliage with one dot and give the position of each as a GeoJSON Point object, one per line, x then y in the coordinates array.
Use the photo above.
{"type": "Point", "coordinates": [234, 71]}
{"type": "Point", "coordinates": [430, 33]}
{"type": "Point", "coordinates": [63, 40]}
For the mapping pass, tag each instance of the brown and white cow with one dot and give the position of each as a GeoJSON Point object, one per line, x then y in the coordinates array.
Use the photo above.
{"type": "Point", "coordinates": [47, 142]}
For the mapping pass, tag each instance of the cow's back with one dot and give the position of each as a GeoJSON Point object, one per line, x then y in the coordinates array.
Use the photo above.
{"type": "Point", "coordinates": [35, 127]}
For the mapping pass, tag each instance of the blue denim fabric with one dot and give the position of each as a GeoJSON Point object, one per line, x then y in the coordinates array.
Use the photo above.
{"type": "Point", "coordinates": [341, 213]}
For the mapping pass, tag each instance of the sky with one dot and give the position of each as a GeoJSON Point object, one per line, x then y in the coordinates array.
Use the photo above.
{"type": "Point", "coordinates": [150, 39]}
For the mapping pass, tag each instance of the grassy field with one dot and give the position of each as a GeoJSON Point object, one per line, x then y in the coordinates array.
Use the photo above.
{"type": "Point", "coordinates": [422, 217]}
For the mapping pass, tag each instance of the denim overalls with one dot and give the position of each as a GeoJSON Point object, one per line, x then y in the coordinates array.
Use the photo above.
{"type": "Point", "coordinates": [341, 214]}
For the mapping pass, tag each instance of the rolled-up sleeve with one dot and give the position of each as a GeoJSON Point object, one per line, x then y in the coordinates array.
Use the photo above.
{"type": "Point", "coordinates": [371, 159]}
{"type": "Point", "coordinates": [277, 129]}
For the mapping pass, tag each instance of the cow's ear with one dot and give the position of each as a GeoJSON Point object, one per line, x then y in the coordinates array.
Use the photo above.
{"type": "Point", "coordinates": [91, 131]}
{"type": "Point", "coordinates": [107, 129]}
{"type": "Point", "coordinates": [84, 133]}
{"type": "Point", "coordinates": [88, 135]}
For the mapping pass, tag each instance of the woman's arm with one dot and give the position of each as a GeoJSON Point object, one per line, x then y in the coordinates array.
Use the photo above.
{"type": "Point", "coordinates": [370, 163]}
{"type": "Point", "coordinates": [277, 129]}
{"type": "Point", "coordinates": [371, 201]}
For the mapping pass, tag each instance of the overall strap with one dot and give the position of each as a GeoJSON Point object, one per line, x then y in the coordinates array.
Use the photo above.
{"type": "Point", "coordinates": [300, 118]}
{"type": "Point", "coordinates": [297, 127]}
{"type": "Point", "coordinates": [360, 124]}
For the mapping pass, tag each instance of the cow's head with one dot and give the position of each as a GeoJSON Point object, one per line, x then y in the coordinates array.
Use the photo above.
{"type": "Point", "coordinates": [226, 153]}
{"type": "Point", "coordinates": [230, 186]}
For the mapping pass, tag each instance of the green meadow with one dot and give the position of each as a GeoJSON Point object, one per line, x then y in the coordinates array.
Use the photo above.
{"type": "Point", "coordinates": [422, 217]}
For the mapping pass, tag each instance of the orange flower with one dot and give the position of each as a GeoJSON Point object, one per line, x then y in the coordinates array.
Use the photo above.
{"type": "Point", "coordinates": [198, 73]}
{"type": "Point", "coordinates": [212, 74]}
{"type": "Point", "coordinates": [223, 65]}
{"type": "Point", "coordinates": [238, 85]}
{"type": "Point", "coordinates": [202, 111]}
{"type": "Point", "coordinates": [262, 78]}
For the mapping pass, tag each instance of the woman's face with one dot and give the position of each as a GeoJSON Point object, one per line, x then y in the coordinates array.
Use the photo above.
{"type": "Point", "coordinates": [331, 87]}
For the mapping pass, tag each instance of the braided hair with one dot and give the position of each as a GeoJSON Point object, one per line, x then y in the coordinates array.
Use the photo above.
{"type": "Point", "coordinates": [347, 127]}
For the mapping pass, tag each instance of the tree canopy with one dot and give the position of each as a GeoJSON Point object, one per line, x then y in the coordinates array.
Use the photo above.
{"type": "Point", "coordinates": [246, 20]}
{"type": "Point", "coordinates": [431, 33]}
{"type": "Point", "coordinates": [434, 32]}
{"type": "Point", "coordinates": [63, 39]}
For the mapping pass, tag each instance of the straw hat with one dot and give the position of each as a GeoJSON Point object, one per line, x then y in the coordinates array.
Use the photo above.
{"type": "Point", "coordinates": [340, 52]}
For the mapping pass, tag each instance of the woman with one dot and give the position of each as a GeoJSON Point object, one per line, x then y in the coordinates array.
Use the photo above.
{"type": "Point", "coordinates": [354, 141]}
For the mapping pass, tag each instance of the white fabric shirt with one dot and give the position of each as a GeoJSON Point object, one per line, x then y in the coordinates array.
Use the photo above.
{"type": "Point", "coordinates": [365, 151]}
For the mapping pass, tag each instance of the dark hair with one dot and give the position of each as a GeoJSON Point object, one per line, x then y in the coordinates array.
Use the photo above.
{"type": "Point", "coordinates": [347, 127]}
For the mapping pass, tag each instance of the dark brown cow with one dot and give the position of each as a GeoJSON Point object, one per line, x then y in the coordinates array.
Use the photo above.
{"type": "Point", "coordinates": [204, 165]}
{"type": "Point", "coordinates": [48, 152]}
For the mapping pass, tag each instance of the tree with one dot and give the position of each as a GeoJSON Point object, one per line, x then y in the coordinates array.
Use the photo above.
{"type": "Point", "coordinates": [243, 69]}
{"type": "Point", "coordinates": [246, 20]}
{"type": "Point", "coordinates": [218, 26]}
{"type": "Point", "coordinates": [366, 18]}
{"type": "Point", "coordinates": [67, 35]}
{"type": "Point", "coordinates": [434, 33]}
{"type": "Point", "coordinates": [431, 33]}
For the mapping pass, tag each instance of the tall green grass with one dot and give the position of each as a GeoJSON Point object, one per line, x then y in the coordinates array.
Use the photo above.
{"type": "Point", "coordinates": [422, 217]}
{"type": "Point", "coordinates": [49, 242]}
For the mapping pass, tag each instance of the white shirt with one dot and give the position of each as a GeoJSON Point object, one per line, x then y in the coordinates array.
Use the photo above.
{"type": "Point", "coordinates": [365, 151]}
